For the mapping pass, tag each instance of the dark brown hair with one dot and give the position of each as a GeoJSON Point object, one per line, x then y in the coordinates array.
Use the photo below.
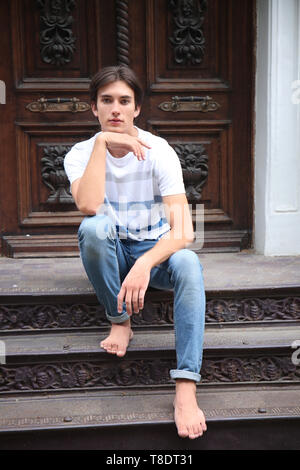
{"type": "Point", "coordinates": [113, 74]}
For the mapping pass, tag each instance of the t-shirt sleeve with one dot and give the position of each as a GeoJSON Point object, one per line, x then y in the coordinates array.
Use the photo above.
{"type": "Point", "coordinates": [75, 162]}
{"type": "Point", "coordinates": [168, 171]}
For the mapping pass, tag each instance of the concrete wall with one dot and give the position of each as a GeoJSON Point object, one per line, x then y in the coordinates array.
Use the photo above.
{"type": "Point", "coordinates": [277, 139]}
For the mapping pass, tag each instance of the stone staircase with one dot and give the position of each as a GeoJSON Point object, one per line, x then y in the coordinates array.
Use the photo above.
{"type": "Point", "coordinates": [59, 390]}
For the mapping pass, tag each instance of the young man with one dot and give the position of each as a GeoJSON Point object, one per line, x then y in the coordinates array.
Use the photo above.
{"type": "Point", "coordinates": [129, 184]}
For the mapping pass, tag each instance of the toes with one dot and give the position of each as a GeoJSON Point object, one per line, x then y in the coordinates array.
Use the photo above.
{"type": "Point", "coordinates": [113, 348]}
{"type": "Point", "coordinates": [109, 347]}
{"type": "Point", "coordinates": [121, 353]}
{"type": "Point", "coordinates": [192, 434]}
{"type": "Point", "coordinates": [183, 432]}
{"type": "Point", "coordinates": [197, 431]}
{"type": "Point", "coordinates": [203, 425]}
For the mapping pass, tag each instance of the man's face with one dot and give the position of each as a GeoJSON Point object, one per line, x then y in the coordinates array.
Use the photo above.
{"type": "Point", "coordinates": [115, 108]}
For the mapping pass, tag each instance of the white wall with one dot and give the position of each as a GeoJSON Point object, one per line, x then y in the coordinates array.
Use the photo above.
{"type": "Point", "coordinates": [277, 141]}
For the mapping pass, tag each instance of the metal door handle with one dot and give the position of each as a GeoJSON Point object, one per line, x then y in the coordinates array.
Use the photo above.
{"type": "Point", "coordinates": [47, 105]}
{"type": "Point", "coordinates": [203, 104]}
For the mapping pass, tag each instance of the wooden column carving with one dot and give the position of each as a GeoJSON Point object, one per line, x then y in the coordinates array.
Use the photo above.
{"type": "Point", "coordinates": [122, 23]}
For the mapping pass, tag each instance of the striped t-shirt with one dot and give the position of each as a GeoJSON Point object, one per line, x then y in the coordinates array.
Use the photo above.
{"type": "Point", "coordinates": [133, 188]}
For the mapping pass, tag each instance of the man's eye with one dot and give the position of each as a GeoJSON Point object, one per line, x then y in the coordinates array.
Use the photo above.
{"type": "Point", "coordinates": [105, 100]}
{"type": "Point", "coordinates": [125, 101]}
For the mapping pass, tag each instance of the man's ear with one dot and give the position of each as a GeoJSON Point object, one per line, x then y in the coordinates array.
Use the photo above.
{"type": "Point", "coordinates": [137, 111]}
{"type": "Point", "coordinates": [94, 109]}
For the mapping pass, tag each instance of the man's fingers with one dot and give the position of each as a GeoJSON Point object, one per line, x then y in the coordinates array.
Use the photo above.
{"type": "Point", "coordinates": [134, 301]}
{"type": "Point", "coordinates": [128, 300]}
{"type": "Point", "coordinates": [120, 299]}
{"type": "Point", "coordinates": [135, 304]}
{"type": "Point", "coordinates": [138, 300]}
{"type": "Point", "coordinates": [139, 152]}
{"type": "Point", "coordinates": [142, 150]}
{"type": "Point", "coordinates": [144, 143]}
{"type": "Point", "coordinates": [141, 299]}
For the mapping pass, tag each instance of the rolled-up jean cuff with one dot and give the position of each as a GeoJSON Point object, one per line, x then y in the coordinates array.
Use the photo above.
{"type": "Point", "coordinates": [118, 318]}
{"type": "Point", "coordinates": [184, 374]}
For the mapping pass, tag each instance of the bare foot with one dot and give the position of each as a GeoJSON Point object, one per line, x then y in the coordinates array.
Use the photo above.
{"type": "Point", "coordinates": [118, 339]}
{"type": "Point", "coordinates": [189, 419]}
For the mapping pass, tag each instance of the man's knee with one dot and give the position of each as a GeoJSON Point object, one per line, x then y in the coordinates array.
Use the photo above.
{"type": "Point", "coordinates": [96, 228]}
{"type": "Point", "coordinates": [186, 262]}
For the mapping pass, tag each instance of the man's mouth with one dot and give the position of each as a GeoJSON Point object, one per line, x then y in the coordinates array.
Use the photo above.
{"type": "Point", "coordinates": [115, 120]}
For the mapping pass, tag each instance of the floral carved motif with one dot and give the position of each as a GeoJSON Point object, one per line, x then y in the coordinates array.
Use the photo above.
{"type": "Point", "coordinates": [41, 317]}
{"type": "Point", "coordinates": [144, 372]}
{"type": "Point", "coordinates": [188, 37]}
{"type": "Point", "coordinates": [54, 176]}
{"type": "Point", "coordinates": [57, 42]}
{"type": "Point", "coordinates": [194, 163]}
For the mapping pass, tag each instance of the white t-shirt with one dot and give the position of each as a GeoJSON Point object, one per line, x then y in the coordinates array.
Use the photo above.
{"type": "Point", "coordinates": [133, 188]}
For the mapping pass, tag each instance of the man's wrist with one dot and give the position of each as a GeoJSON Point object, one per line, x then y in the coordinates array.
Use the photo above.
{"type": "Point", "coordinates": [145, 261]}
{"type": "Point", "coordinates": [101, 139]}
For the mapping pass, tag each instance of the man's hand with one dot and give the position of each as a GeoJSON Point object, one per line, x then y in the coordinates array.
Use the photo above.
{"type": "Point", "coordinates": [123, 143]}
{"type": "Point", "coordinates": [134, 287]}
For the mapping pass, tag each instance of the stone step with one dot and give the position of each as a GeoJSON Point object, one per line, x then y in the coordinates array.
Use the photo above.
{"type": "Point", "coordinates": [51, 362]}
{"type": "Point", "coordinates": [258, 417]}
{"type": "Point", "coordinates": [45, 313]}
{"type": "Point", "coordinates": [63, 246]}
{"type": "Point", "coordinates": [58, 389]}
{"type": "Point", "coordinates": [55, 295]}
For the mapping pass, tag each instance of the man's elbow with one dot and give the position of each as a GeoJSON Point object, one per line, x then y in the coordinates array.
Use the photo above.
{"type": "Point", "coordinates": [188, 242]}
{"type": "Point", "coordinates": [89, 209]}
{"type": "Point", "coordinates": [189, 239]}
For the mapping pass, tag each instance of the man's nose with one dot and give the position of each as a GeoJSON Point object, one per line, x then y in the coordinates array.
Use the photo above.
{"type": "Point", "coordinates": [116, 108]}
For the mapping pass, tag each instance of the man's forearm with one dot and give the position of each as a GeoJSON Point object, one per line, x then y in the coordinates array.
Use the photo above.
{"type": "Point", "coordinates": [91, 189]}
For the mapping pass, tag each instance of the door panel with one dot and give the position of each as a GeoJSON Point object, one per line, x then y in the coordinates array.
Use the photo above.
{"type": "Point", "coordinates": [195, 61]}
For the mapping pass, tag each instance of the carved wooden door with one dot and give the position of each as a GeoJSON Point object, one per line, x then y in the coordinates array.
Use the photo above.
{"type": "Point", "coordinates": [195, 60]}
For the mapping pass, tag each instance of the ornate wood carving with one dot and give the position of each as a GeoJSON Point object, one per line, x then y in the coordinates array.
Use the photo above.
{"type": "Point", "coordinates": [155, 313]}
{"type": "Point", "coordinates": [188, 37]}
{"type": "Point", "coordinates": [253, 310]}
{"type": "Point", "coordinates": [54, 176]}
{"type": "Point", "coordinates": [144, 372]}
{"type": "Point", "coordinates": [122, 23]}
{"type": "Point", "coordinates": [250, 369]}
{"type": "Point", "coordinates": [32, 137]}
{"type": "Point", "coordinates": [194, 163]}
{"type": "Point", "coordinates": [47, 316]}
{"type": "Point", "coordinates": [57, 42]}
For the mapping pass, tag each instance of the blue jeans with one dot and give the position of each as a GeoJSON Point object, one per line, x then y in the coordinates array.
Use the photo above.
{"type": "Point", "coordinates": [107, 259]}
